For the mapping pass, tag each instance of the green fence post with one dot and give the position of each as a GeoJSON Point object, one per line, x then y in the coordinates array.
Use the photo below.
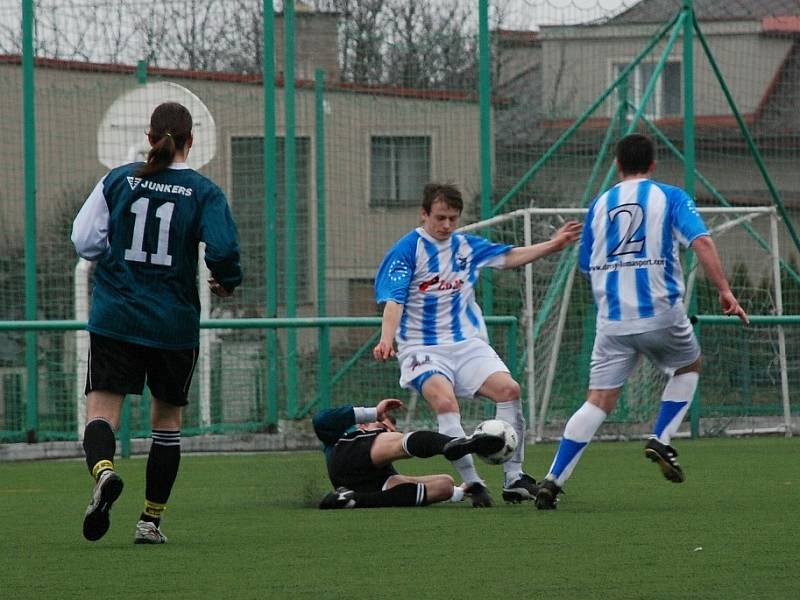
{"type": "Point", "coordinates": [323, 367]}
{"type": "Point", "coordinates": [688, 102]}
{"type": "Point", "coordinates": [29, 137]}
{"type": "Point", "coordinates": [485, 101]}
{"type": "Point", "coordinates": [689, 164]}
{"type": "Point", "coordinates": [290, 223]}
{"type": "Point", "coordinates": [141, 71]}
{"type": "Point", "coordinates": [270, 216]}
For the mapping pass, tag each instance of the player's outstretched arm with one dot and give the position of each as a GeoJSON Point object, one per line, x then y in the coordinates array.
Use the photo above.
{"type": "Point", "coordinates": [569, 232]}
{"type": "Point", "coordinates": [706, 251]}
{"type": "Point", "coordinates": [391, 319]}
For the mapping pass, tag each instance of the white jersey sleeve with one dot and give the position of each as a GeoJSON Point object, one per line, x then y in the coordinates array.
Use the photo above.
{"type": "Point", "coordinates": [90, 228]}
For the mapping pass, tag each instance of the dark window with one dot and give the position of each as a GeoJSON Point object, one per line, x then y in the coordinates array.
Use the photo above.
{"type": "Point", "coordinates": [400, 168]}
{"type": "Point", "coordinates": [247, 199]}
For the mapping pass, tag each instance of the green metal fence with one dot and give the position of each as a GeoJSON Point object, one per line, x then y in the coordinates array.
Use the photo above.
{"type": "Point", "coordinates": [323, 144]}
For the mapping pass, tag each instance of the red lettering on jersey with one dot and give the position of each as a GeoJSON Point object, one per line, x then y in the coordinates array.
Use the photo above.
{"type": "Point", "coordinates": [442, 286]}
{"type": "Point", "coordinates": [425, 285]}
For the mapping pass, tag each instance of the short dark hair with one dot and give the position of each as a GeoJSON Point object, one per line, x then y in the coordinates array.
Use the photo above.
{"type": "Point", "coordinates": [449, 194]}
{"type": "Point", "coordinates": [635, 153]}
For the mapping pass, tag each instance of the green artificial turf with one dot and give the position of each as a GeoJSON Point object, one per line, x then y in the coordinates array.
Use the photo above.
{"type": "Point", "coordinates": [246, 526]}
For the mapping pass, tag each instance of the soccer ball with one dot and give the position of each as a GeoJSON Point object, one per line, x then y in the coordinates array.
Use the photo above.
{"type": "Point", "coordinates": [500, 429]}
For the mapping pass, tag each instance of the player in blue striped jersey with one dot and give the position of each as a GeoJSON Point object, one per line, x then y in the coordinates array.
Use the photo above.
{"type": "Point", "coordinates": [360, 445]}
{"type": "Point", "coordinates": [629, 251]}
{"type": "Point", "coordinates": [142, 224]}
{"type": "Point", "coordinates": [427, 282]}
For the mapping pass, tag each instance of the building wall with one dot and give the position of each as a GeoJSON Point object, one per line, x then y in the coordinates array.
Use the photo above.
{"type": "Point", "coordinates": [577, 64]}
{"type": "Point", "coordinates": [70, 105]}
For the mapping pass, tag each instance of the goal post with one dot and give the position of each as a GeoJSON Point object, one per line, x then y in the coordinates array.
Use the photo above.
{"type": "Point", "coordinates": [746, 387]}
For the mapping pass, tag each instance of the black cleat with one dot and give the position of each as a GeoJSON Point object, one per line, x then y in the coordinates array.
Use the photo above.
{"type": "Point", "coordinates": [666, 458]}
{"type": "Point", "coordinates": [479, 495]}
{"type": "Point", "coordinates": [524, 488]}
{"type": "Point", "coordinates": [340, 498]}
{"type": "Point", "coordinates": [483, 444]}
{"type": "Point", "coordinates": [547, 496]}
{"type": "Point", "coordinates": [106, 491]}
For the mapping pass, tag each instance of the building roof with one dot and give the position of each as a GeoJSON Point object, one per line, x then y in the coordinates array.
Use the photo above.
{"type": "Point", "coordinates": [657, 11]}
{"type": "Point", "coordinates": [254, 79]}
{"type": "Point", "coordinates": [516, 37]}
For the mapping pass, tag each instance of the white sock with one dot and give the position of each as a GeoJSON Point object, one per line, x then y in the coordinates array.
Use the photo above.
{"type": "Point", "coordinates": [675, 402]}
{"type": "Point", "coordinates": [579, 431]}
{"type": "Point", "coordinates": [511, 412]}
{"type": "Point", "coordinates": [450, 424]}
{"type": "Point", "coordinates": [458, 494]}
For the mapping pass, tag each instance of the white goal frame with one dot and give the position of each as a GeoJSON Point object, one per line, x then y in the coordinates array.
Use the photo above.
{"type": "Point", "coordinates": [537, 419]}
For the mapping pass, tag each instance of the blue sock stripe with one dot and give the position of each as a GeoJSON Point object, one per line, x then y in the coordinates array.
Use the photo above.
{"type": "Point", "coordinates": [669, 410]}
{"type": "Point", "coordinates": [567, 451]}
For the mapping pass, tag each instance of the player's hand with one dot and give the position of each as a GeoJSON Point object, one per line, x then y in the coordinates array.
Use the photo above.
{"type": "Point", "coordinates": [731, 306]}
{"type": "Point", "coordinates": [383, 351]}
{"type": "Point", "coordinates": [217, 288]}
{"type": "Point", "coordinates": [386, 406]}
{"type": "Point", "coordinates": [567, 233]}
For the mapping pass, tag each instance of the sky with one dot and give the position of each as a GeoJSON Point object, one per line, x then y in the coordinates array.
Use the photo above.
{"type": "Point", "coordinates": [530, 14]}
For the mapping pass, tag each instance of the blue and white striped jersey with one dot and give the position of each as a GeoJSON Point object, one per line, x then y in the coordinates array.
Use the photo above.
{"type": "Point", "coordinates": [629, 250]}
{"type": "Point", "coordinates": [435, 282]}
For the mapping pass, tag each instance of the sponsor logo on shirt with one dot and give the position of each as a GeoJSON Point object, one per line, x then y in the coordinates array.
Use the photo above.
{"type": "Point", "coordinates": [438, 285]}
{"type": "Point", "coordinates": [145, 184]}
{"type": "Point", "coordinates": [642, 262]}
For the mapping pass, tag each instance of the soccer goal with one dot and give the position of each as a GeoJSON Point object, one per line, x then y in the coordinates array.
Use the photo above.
{"type": "Point", "coordinates": [746, 382]}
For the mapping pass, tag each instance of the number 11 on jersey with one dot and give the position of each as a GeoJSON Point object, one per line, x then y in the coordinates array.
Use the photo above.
{"type": "Point", "coordinates": [164, 215]}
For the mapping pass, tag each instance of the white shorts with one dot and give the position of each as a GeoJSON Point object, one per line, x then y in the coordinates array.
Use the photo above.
{"type": "Point", "coordinates": [614, 357]}
{"type": "Point", "coordinates": [466, 364]}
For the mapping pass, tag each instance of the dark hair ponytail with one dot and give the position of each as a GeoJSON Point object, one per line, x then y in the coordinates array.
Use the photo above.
{"type": "Point", "coordinates": [170, 129]}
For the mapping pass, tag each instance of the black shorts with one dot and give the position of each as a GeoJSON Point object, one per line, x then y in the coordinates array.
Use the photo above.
{"type": "Point", "coordinates": [122, 367]}
{"type": "Point", "coordinates": [351, 465]}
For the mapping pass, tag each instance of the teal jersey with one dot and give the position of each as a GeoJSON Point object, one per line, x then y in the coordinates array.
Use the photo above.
{"type": "Point", "coordinates": [144, 235]}
{"type": "Point", "coordinates": [331, 425]}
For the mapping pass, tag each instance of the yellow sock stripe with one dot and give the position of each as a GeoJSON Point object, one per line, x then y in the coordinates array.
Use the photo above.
{"type": "Point", "coordinates": [153, 509]}
{"type": "Point", "coordinates": [102, 465]}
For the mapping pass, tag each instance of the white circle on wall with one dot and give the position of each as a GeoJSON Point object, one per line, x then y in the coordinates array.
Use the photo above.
{"type": "Point", "coordinates": [121, 137]}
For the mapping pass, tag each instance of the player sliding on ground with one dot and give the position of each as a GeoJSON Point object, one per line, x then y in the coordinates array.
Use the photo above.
{"type": "Point", "coordinates": [427, 282]}
{"type": "Point", "coordinates": [629, 250]}
{"type": "Point", "coordinates": [360, 445]}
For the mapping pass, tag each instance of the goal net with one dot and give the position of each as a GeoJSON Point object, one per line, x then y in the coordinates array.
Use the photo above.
{"type": "Point", "coordinates": [746, 377]}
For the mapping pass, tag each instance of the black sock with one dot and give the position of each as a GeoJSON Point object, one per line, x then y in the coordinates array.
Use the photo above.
{"type": "Point", "coordinates": [99, 445]}
{"type": "Point", "coordinates": [162, 469]}
{"type": "Point", "coordinates": [424, 444]}
{"type": "Point", "coordinates": [405, 494]}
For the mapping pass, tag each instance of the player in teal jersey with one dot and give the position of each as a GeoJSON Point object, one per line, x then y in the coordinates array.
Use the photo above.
{"type": "Point", "coordinates": [142, 224]}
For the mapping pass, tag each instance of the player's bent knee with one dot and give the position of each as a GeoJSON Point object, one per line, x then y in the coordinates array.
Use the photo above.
{"type": "Point", "coordinates": [508, 392]}
{"type": "Point", "coordinates": [692, 368]}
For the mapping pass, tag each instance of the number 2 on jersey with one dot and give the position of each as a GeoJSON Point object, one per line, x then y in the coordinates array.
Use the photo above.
{"type": "Point", "coordinates": [164, 216]}
{"type": "Point", "coordinates": [627, 244]}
